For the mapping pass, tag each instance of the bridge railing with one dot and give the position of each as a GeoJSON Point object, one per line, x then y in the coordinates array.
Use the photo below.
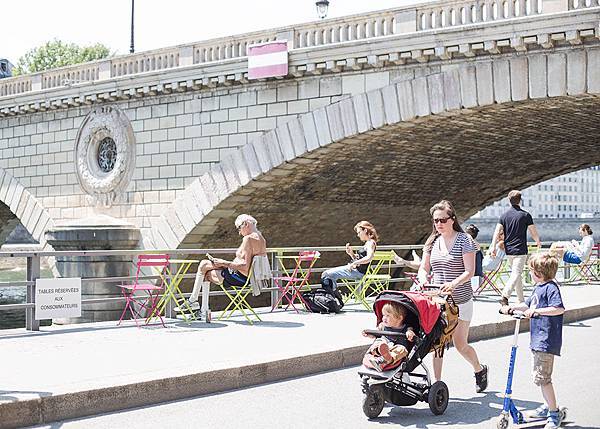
{"type": "Point", "coordinates": [453, 13]}
{"type": "Point", "coordinates": [414, 18]}
{"type": "Point", "coordinates": [583, 4]}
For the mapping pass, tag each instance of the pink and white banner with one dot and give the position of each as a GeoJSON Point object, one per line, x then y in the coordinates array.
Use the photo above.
{"type": "Point", "coordinates": [268, 60]}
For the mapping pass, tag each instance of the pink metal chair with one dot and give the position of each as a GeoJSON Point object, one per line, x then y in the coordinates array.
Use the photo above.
{"type": "Point", "coordinates": [488, 280]}
{"type": "Point", "coordinates": [291, 285]}
{"type": "Point", "coordinates": [149, 302]}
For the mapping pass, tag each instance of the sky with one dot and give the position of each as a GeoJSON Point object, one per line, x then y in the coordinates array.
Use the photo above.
{"type": "Point", "coordinates": [27, 24]}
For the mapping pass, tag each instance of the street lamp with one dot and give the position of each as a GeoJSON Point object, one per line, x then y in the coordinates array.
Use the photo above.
{"type": "Point", "coordinates": [322, 6]}
{"type": "Point", "coordinates": [131, 48]}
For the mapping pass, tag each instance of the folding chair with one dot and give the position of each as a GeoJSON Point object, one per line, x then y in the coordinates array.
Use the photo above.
{"type": "Point", "coordinates": [416, 284]}
{"type": "Point", "coordinates": [589, 270]}
{"type": "Point", "coordinates": [152, 291]}
{"type": "Point", "coordinates": [294, 282]}
{"type": "Point", "coordinates": [237, 299]}
{"type": "Point", "coordinates": [488, 280]}
{"type": "Point", "coordinates": [375, 280]}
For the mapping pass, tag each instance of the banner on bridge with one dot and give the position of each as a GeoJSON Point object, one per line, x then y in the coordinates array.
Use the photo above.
{"type": "Point", "coordinates": [268, 59]}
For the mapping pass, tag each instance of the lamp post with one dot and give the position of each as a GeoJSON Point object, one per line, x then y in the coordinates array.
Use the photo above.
{"type": "Point", "coordinates": [131, 48]}
{"type": "Point", "coordinates": [322, 6]}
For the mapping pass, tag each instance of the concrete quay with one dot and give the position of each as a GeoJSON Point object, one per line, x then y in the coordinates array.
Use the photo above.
{"type": "Point", "coordinates": [71, 371]}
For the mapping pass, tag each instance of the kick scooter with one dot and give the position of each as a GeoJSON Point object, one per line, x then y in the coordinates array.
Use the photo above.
{"type": "Point", "coordinates": [509, 408]}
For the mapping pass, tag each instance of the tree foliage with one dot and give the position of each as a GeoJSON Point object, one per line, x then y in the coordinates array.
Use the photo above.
{"type": "Point", "coordinates": [56, 53]}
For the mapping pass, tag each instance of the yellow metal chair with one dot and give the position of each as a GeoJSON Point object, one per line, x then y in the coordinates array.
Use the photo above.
{"type": "Point", "coordinates": [375, 280]}
{"type": "Point", "coordinates": [237, 299]}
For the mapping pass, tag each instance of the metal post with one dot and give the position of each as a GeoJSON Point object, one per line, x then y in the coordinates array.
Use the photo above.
{"type": "Point", "coordinates": [131, 48]}
{"type": "Point", "coordinates": [276, 273]}
{"type": "Point", "coordinates": [33, 273]}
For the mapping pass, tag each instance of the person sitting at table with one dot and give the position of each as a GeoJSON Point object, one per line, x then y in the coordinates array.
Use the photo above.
{"type": "Point", "coordinates": [251, 253]}
{"type": "Point", "coordinates": [573, 252]}
{"type": "Point", "coordinates": [356, 269]}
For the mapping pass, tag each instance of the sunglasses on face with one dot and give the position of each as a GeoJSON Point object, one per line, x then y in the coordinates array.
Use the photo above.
{"type": "Point", "coordinates": [441, 220]}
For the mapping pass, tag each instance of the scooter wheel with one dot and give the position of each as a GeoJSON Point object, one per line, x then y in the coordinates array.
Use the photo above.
{"type": "Point", "coordinates": [502, 422]}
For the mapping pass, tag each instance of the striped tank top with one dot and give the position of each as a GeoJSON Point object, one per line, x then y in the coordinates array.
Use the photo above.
{"type": "Point", "coordinates": [447, 267]}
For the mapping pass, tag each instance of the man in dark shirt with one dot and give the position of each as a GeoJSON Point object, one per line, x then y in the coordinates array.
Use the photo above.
{"type": "Point", "coordinates": [515, 223]}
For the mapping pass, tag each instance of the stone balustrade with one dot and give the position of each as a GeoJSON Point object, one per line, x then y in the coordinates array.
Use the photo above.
{"type": "Point", "coordinates": [452, 13]}
{"type": "Point", "coordinates": [380, 24]}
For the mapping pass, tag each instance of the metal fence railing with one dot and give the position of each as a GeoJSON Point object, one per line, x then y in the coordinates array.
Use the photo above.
{"type": "Point", "coordinates": [34, 258]}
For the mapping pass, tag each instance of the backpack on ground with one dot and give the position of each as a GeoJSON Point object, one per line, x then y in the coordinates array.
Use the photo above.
{"type": "Point", "coordinates": [322, 301]}
{"type": "Point", "coordinates": [326, 299]}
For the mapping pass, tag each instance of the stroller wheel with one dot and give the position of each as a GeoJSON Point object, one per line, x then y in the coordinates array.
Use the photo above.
{"type": "Point", "coordinates": [438, 397]}
{"type": "Point", "coordinates": [373, 402]}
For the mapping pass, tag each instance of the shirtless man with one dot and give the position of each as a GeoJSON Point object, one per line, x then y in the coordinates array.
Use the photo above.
{"type": "Point", "coordinates": [235, 273]}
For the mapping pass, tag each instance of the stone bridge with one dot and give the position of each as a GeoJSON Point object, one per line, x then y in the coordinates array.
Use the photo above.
{"type": "Point", "coordinates": [380, 116]}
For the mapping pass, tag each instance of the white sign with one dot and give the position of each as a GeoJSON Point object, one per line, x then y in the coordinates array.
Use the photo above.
{"type": "Point", "coordinates": [56, 298]}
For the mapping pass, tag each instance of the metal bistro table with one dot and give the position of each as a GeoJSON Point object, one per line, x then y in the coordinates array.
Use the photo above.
{"type": "Point", "coordinates": [173, 294]}
{"type": "Point", "coordinates": [290, 285]}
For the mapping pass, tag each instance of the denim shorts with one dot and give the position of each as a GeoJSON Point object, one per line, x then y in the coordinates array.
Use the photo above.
{"type": "Point", "coordinates": [571, 258]}
{"type": "Point", "coordinates": [542, 367]}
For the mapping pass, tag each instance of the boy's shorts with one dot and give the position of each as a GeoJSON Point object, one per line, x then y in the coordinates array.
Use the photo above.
{"type": "Point", "coordinates": [542, 368]}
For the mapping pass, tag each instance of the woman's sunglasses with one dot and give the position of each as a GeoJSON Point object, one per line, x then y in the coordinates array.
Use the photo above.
{"type": "Point", "coordinates": [442, 220]}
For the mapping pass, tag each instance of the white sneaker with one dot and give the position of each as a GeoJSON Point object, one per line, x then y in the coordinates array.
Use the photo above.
{"type": "Point", "coordinates": [193, 305]}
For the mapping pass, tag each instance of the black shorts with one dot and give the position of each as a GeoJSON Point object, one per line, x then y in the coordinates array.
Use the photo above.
{"type": "Point", "coordinates": [233, 278]}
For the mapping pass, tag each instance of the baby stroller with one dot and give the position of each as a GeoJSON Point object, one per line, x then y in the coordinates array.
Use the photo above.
{"type": "Point", "coordinates": [406, 384]}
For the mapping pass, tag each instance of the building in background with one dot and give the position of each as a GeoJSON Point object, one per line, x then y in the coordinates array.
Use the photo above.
{"type": "Point", "coordinates": [573, 195]}
{"type": "Point", "coordinates": [5, 68]}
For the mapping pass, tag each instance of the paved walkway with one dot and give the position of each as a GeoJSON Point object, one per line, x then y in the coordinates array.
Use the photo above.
{"type": "Point", "coordinates": [74, 370]}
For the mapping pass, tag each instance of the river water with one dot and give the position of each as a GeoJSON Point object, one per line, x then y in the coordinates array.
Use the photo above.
{"type": "Point", "coordinates": [14, 295]}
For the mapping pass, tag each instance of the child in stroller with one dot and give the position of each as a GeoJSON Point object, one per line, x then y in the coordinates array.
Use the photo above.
{"type": "Point", "coordinates": [387, 351]}
{"type": "Point", "coordinates": [404, 384]}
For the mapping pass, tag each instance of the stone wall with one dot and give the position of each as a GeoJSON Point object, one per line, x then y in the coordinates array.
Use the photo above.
{"type": "Point", "coordinates": [177, 137]}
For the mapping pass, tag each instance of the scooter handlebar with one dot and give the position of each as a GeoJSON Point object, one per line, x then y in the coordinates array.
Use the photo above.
{"type": "Point", "coordinates": [518, 314]}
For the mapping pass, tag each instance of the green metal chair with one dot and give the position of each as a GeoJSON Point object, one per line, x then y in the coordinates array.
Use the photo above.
{"type": "Point", "coordinates": [375, 280]}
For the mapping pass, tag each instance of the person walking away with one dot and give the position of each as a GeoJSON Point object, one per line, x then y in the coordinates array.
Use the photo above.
{"type": "Point", "coordinates": [514, 223]}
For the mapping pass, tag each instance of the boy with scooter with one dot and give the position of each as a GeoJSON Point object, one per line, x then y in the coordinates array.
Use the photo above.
{"type": "Point", "coordinates": [545, 308]}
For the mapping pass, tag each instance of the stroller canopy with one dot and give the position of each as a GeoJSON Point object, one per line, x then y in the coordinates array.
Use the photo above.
{"type": "Point", "coordinates": [426, 311]}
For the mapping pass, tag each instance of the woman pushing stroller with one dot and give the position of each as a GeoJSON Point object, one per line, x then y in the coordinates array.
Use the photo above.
{"type": "Point", "coordinates": [450, 254]}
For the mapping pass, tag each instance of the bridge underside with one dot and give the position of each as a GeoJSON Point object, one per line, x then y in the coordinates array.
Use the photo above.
{"type": "Point", "coordinates": [391, 176]}
{"type": "Point", "coordinates": [8, 222]}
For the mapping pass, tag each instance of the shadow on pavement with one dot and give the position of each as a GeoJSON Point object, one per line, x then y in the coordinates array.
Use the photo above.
{"type": "Point", "coordinates": [477, 409]}
{"type": "Point", "coordinates": [268, 324]}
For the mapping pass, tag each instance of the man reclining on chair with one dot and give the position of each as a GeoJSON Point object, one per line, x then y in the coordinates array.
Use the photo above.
{"type": "Point", "coordinates": [234, 273]}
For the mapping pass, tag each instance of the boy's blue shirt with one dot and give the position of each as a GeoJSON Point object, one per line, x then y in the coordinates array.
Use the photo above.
{"type": "Point", "coordinates": [546, 331]}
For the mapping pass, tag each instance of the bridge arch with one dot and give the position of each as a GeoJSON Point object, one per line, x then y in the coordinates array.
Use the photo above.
{"type": "Point", "coordinates": [388, 154]}
{"type": "Point", "coordinates": [17, 204]}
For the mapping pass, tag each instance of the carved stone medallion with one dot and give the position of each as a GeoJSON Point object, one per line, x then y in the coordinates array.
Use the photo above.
{"type": "Point", "coordinates": [105, 155]}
